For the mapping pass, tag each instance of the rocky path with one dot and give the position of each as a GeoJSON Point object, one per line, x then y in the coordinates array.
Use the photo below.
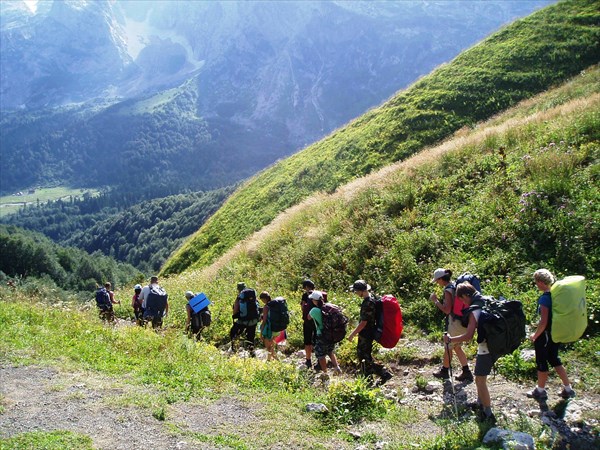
{"type": "Point", "coordinates": [45, 399]}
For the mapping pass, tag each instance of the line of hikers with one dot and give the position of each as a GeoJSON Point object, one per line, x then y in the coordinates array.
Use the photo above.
{"type": "Point", "coordinates": [500, 326]}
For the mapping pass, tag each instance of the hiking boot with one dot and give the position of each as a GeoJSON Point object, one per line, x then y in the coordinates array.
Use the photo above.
{"type": "Point", "coordinates": [385, 378]}
{"type": "Point", "coordinates": [537, 394]}
{"type": "Point", "coordinates": [567, 394]}
{"type": "Point", "coordinates": [308, 364]}
{"type": "Point", "coordinates": [442, 373]}
{"type": "Point", "coordinates": [466, 375]}
{"type": "Point", "coordinates": [337, 371]}
{"type": "Point", "coordinates": [491, 419]}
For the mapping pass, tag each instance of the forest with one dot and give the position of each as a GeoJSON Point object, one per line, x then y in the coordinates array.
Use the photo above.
{"type": "Point", "coordinates": [142, 234]}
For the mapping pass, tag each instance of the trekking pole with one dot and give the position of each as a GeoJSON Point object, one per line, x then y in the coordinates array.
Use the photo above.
{"type": "Point", "coordinates": [451, 375]}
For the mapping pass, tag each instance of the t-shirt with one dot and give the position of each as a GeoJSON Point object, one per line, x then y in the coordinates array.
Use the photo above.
{"type": "Point", "coordinates": [482, 347]}
{"type": "Point", "coordinates": [546, 300]}
{"type": "Point", "coordinates": [317, 315]}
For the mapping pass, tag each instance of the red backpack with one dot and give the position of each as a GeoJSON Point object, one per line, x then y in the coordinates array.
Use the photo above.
{"type": "Point", "coordinates": [389, 321]}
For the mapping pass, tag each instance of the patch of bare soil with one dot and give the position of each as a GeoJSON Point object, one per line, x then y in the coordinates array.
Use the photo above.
{"type": "Point", "coordinates": [42, 399]}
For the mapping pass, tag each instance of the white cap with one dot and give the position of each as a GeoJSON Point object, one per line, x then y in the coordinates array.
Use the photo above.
{"type": "Point", "coordinates": [438, 273]}
{"type": "Point", "coordinates": [189, 295]}
{"type": "Point", "coordinates": [137, 286]}
{"type": "Point", "coordinates": [316, 295]}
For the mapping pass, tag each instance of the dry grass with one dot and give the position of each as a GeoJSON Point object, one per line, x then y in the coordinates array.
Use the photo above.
{"type": "Point", "coordinates": [382, 178]}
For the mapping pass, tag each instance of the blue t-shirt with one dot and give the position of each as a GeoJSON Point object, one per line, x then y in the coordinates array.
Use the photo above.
{"type": "Point", "coordinates": [546, 300]}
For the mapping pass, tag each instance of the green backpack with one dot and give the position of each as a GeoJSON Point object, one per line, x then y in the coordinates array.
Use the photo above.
{"type": "Point", "coordinates": [569, 312]}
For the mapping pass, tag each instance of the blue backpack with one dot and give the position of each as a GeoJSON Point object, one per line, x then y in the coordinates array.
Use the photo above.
{"type": "Point", "coordinates": [103, 299]}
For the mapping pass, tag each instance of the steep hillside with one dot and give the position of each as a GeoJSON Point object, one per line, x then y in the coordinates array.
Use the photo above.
{"type": "Point", "coordinates": [518, 193]}
{"type": "Point", "coordinates": [525, 58]}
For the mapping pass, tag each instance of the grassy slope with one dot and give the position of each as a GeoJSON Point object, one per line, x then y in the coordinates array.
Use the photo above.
{"type": "Point", "coordinates": [521, 60]}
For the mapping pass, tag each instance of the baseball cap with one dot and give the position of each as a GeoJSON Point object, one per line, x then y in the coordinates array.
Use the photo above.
{"type": "Point", "coordinates": [438, 273]}
{"type": "Point", "coordinates": [360, 285]}
{"type": "Point", "coordinates": [189, 295]}
{"type": "Point", "coordinates": [316, 295]}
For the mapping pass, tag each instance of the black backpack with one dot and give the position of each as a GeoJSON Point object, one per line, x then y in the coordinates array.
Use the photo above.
{"type": "Point", "coordinates": [249, 309]}
{"type": "Point", "coordinates": [501, 324]}
{"type": "Point", "coordinates": [334, 323]}
{"type": "Point", "coordinates": [156, 302]}
{"type": "Point", "coordinates": [279, 317]}
{"type": "Point", "coordinates": [103, 299]}
{"type": "Point", "coordinates": [200, 320]}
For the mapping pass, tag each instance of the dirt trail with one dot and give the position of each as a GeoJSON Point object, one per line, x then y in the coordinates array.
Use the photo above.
{"type": "Point", "coordinates": [45, 399]}
{"type": "Point", "coordinates": [42, 399]}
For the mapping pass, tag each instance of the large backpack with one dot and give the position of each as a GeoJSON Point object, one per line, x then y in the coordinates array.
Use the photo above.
{"type": "Point", "coordinates": [156, 302]}
{"type": "Point", "coordinates": [458, 305]}
{"type": "Point", "coordinates": [569, 312]}
{"type": "Point", "coordinates": [279, 317]}
{"type": "Point", "coordinates": [201, 316]}
{"type": "Point", "coordinates": [389, 321]}
{"type": "Point", "coordinates": [249, 309]}
{"type": "Point", "coordinates": [335, 323]}
{"type": "Point", "coordinates": [501, 324]}
{"type": "Point", "coordinates": [103, 299]}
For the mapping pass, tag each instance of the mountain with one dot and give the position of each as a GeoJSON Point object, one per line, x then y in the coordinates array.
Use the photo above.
{"type": "Point", "coordinates": [515, 63]}
{"type": "Point", "coordinates": [95, 91]}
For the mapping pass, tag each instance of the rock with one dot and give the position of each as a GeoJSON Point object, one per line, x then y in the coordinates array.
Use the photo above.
{"type": "Point", "coordinates": [355, 434]}
{"type": "Point", "coordinates": [406, 372]}
{"type": "Point", "coordinates": [317, 407]}
{"type": "Point", "coordinates": [433, 386]}
{"type": "Point", "coordinates": [534, 413]}
{"type": "Point", "coordinates": [514, 440]}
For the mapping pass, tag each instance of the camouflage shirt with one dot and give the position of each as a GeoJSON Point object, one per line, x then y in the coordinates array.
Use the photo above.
{"type": "Point", "coordinates": [368, 313]}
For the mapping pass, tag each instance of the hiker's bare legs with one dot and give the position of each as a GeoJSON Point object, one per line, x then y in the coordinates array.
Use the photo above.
{"type": "Point", "coordinates": [308, 349]}
{"type": "Point", "coordinates": [562, 373]}
{"type": "Point", "coordinates": [323, 364]}
{"type": "Point", "coordinates": [543, 378]}
{"type": "Point", "coordinates": [460, 353]}
{"type": "Point", "coordinates": [483, 392]}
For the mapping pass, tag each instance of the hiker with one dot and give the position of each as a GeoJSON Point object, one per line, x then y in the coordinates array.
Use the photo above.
{"type": "Point", "coordinates": [308, 325]}
{"type": "Point", "coordinates": [198, 315]}
{"type": "Point", "coordinates": [154, 302]}
{"type": "Point", "coordinates": [485, 360]}
{"type": "Point", "coordinates": [546, 350]}
{"type": "Point", "coordinates": [245, 317]}
{"type": "Point", "coordinates": [366, 333]}
{"type": "Point", "coordinates": [322, 347]}
{"type": "Point", "coordinates": [136, 304]}
{"type": "Point", "coordinates": [454, 327]}
{"type": "Point", "coordinates": [105, 302]}
{"type": "Point", "coordinates": [266, 334]}
{"type": "Point", "coordinates": [111, 294]}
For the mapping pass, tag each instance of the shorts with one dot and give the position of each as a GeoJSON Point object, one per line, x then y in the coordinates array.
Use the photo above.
{"type": "Point", "coordinates": [546, 352]}
{"type": "Point", "coordinates": [484, 364]}
{"type": "Point", "coordinates": [322, 348]}
{"type": "Point", "coordinates": [310, 332]}
{"type": "Point", "coordinates": [455, 328]}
